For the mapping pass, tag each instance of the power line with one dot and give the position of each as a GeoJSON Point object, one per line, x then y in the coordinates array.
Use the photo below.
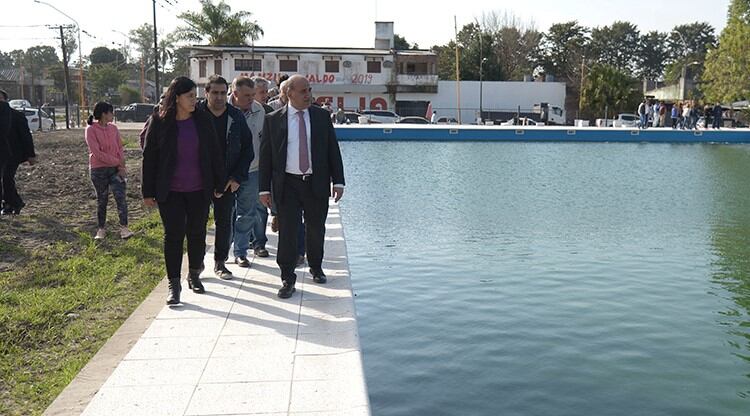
{"type": "Point", "coordinates": [11, 26]}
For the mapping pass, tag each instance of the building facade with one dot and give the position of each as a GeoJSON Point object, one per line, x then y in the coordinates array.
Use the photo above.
{"type": "Point", "coordinates": [378, 78]}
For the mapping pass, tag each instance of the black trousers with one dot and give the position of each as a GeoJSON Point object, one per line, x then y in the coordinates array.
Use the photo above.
{"type": "Point", "coordinates": [184, 214]}
{"type": "Point", "coordinates": [299, 198]}
{"type": "Point", "coordinates": [9, 193]}
{"type": "Point", "coordinates": [223, 216]}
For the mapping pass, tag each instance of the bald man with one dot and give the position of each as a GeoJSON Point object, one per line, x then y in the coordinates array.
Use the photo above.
{"type": "Point", "coordinates": [300, 159]}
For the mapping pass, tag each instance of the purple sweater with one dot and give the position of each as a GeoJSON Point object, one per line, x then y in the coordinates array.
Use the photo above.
{"type": "Point", "coordinates": [187, 173]}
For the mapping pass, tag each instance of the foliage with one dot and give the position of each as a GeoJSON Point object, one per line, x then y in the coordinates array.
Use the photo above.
{"type": "Point", "coordinates": [688, 46]}
{"type": "Point", "coordinates": [608, 87]}
{"type": "Point", "coordinates": [652, 56]}
{"type": "Point", "coordinates": [104, 55]}
{"type": "Point", "coordinates": [727, 76]}
{"type": "Point", "coordinates": [400, 43]}
{"type": "Point", "coordinates": [129, 95]}
{"type": "Point", "coordinates": [143, 39]}
{"type": "Point", "coordinates": [217, 24]}
{"type": "Point", "coordinates": [105, 79]}
{"type": "Point", "coordinates": [616, 45]}
{"type": "Point", "coordinates": [563, 48]}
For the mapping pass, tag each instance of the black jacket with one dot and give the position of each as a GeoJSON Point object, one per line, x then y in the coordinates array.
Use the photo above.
{"type": "Point", "coordinates": [4, 131]}
{"type": "Point", "coordinates": [160, 157]}
{"type": "Point", "coordinates": [20, 143]}
{"type": "Point", "coordinates": [238, 143]}
{"type": "Point", "coordinates": [327, 166]}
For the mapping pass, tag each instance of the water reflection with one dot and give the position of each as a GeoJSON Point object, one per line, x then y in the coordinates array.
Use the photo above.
{"type": "Point", "coordinates": [731, 245]}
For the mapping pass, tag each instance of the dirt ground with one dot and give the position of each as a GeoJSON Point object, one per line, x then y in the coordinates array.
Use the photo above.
{"type": "Point", "coordinates": [60, 199]}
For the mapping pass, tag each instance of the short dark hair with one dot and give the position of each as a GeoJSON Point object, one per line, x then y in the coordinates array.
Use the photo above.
{"type": "Point", "coordinates": [216, 79]}
{"type": "Point", "coordinates": [4, 94]}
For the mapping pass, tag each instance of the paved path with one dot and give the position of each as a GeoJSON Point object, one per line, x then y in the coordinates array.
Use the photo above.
{"type": "Point", "coordinates": [240, 350]}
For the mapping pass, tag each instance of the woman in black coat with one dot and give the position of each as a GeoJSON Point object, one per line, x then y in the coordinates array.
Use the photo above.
{"type": "Point", "coordinates": [183, 168]}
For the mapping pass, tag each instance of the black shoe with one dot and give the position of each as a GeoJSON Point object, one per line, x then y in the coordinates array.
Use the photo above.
{"type": "Point", "coordinates": [261, 252]}
{"type": "Point", "coordinates": [222, 272]}
{"type": "Point", "coordinates": [286, 290]}
{"type": "Point", "coordinates": [194, 281]}
{"type": "Point", "coordinates": [300, 260]}
{"type": "Point", "coordinates": [174, 292]}
{"type": "Point", "coordinates": [318, 276]}
{"type": "Point", "coordinates": [242, 261]}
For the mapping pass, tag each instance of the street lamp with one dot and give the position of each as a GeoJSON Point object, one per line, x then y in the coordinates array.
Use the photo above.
{"type": "Point", "coordinates": [481, 71]}
{"type": "Point", "coordinates": [80, 48]}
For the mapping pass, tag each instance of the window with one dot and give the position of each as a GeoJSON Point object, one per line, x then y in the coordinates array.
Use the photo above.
{"type": "Point", "coordinates": [201, 69]}
{"type": "Point", "coordinates": [217, 66]}
{"type": "Point", "coordinates": [332, 66]}
{"type": "Point", "coordinates": [416, 68]}
{"type": "Point", "coordinates": [373, 67]}
{"type": "Point", "coordinates": [247, 65]}
{"type": "Point", "coordinates": [287, 65]}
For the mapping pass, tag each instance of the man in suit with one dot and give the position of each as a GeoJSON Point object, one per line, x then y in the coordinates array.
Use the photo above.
{"type": "Point", "coordinates": [300, 159]}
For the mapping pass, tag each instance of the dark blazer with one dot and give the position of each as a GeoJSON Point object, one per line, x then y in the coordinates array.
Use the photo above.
{"type": "Point", "coordinates": [4, 132]}
{"type": "Point", "coordinates": [160, 157]}
{"type": "Point", "coordinates": [20, 142]}
{"type": "Point", "coordinates": [326, 161]}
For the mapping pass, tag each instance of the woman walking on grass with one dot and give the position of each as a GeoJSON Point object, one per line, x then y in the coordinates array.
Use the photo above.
{"type": "Point", "coordinates": [183, 168]}
{"type": "Point", "coordinates": [107, 166]}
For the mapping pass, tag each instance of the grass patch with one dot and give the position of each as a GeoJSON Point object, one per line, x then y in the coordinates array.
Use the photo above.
{"type": "Point", "coordinates": [59, 308]}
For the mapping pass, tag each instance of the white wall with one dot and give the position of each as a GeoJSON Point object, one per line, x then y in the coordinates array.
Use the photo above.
{"type": "Point", "coordinates": [497, 96]}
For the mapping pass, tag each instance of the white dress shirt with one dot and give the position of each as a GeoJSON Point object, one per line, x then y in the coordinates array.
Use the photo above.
{"type": "Point", "coordinates": [292, 150]}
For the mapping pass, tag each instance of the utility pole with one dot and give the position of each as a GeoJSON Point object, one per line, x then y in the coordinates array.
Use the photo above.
{"type": "Point", "coordinates": [458, 73]}
{"type": "Point", "coordinates": [66, 77]}
{"type": "Point", "coordinates": [156, 57]}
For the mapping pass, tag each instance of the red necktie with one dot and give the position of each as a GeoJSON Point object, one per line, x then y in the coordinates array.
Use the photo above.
{"type": "Point", "coordinates": [304, 162]}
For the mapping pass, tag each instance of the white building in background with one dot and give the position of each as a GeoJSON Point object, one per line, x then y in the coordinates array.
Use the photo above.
{"type": "Point", "coordinates": [380, 78]}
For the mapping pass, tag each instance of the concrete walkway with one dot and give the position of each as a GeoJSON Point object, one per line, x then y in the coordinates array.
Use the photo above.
{"type": "Point", "coordinates": [240, 350]}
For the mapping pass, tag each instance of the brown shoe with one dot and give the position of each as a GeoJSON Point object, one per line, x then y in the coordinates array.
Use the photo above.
{"type": "Point", "coordinates": [275, 224]}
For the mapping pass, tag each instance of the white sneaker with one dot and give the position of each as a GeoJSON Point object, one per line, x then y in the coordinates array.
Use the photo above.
{"type": "Point", "coordinates": [100, 234]}
{"type": "Point", "coordinates": [125, 233]}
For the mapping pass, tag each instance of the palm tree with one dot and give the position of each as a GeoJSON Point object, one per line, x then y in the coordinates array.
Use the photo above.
{"type": "Point", "coordinates": [217, 24]}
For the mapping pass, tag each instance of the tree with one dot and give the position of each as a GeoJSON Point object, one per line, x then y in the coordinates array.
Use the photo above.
{"type": "Point", "coordinates": [562, 52]}
{"type": "Point", "coordinates": [37, 60]}
{"type": "Point", "coordinates": [7, 60]}
{"type": "Point", "coordinates": [727, 74]}
{"type": "Point", "coordinates": [652, 56]}
{"type": "Point", "coordinates": [143, 39]}
{"type": "Point", "coordinates": [129, 95]}
{"type": "Point", "coordinates": [103, 55]}
{"type": "Point", "coordinates": [513, 46]}
{"type": "Point", "coordinates": [687, 44]}
{"type": "Point", "coordinates": [106, 78]}
{"type": "Point", "coordinates": [218, 25]}
{"type": "Point", "coordinates": [563, 48]}
{"type": "Point", "coordinates": [616, 45]}
{"type": "Point", "coordinates": [608, 87]}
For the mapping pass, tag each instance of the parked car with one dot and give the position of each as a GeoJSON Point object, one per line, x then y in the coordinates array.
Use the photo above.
{"type": "Point", "coordinates": [381, 116]}
{"type": "Point", "coordinates": [352, 117]}
{"type": "Point", "coordinates": [413, 120]}
{"type": "Point", "coordinates": [523, 121]}
{"type": "Point", "coordinates": [33, 116]}
{"type": "Point", "coordinates": [19, 104]}
{"type": "Point", "coordinates": [626, 120]}
{"type": "Point", "coordinates": [138, 112]}
{"type": "Point", "coordinates": [446, 120]}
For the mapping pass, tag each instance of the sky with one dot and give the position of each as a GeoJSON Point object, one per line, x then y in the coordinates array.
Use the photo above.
{"type": "Point", "coordinates": [340, 23]}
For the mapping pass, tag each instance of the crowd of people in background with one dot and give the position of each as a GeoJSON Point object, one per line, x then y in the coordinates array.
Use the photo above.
{"type": "Point", "coordinates": [684, 115]}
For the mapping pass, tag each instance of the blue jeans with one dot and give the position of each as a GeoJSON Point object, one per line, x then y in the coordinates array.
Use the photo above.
{"type": "Point", "coordinates": [644, 121]}
{"type": "Point", "coordinates": [251, 218]}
